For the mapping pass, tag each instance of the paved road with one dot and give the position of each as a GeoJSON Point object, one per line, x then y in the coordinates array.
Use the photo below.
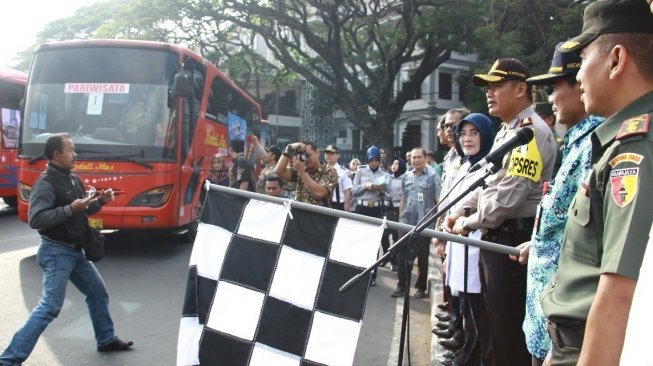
{"type": "Point", "coordinates": [145, 275]}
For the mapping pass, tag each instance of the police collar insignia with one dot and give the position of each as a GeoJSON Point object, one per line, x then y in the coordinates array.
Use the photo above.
{"type": "Point", "coordinates": [526, 122]}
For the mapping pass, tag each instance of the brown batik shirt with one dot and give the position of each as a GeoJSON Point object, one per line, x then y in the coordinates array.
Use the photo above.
{"type": "Point", "coordinates": [325, 176]}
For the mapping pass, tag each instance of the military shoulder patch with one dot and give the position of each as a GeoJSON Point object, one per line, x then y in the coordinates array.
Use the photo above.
{"type": "Point", "coordinates": [626, 158]}
{"type": "Point", "coordinates": [634, 126]}
{"type": "Point", "coordinates": [624, 185]}
{"type": "Point", "coordinates": [526, 122]}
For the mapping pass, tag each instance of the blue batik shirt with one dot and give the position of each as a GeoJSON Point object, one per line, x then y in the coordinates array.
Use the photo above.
{"type": "Point", "coordinates": [547, 237]}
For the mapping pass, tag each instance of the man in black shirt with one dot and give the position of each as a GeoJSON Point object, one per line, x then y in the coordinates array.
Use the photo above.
{"type": "Point", "coordinates": [58, 209]}
{"type": "Point", "coordinates": [240, 174]}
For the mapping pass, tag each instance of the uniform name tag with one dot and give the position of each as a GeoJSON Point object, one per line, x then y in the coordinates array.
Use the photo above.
{"type": "Point", "coordinates": [526, 162]}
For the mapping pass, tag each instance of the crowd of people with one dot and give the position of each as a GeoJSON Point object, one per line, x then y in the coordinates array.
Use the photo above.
{"type": "Point", "coordinates": [563, 200]}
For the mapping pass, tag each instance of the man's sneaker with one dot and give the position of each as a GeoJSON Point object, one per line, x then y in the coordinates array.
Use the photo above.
{"type": "Point", "coordinates": [420, 294]}
{"type": "Point", "coordinates": [398, 292]}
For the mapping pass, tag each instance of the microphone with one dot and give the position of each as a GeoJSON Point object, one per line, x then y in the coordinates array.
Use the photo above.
{"type": "Point", "coordinates": [522, 137]}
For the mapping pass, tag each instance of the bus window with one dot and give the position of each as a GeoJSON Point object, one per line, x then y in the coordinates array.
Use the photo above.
{"type": "Point", "coordinates": [217, 108]}
{"type": "Point", "coordinates": [10, 126]}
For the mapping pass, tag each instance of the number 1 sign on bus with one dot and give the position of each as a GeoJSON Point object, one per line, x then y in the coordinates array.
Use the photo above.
{"type": "Point", "coordinates": [145, 117]}
{"type": "Point", "coordinates": [12, 90]}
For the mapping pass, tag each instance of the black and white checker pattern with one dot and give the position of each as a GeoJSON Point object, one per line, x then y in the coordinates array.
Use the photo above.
{"type": "Point", "coordinates": [263, 288]}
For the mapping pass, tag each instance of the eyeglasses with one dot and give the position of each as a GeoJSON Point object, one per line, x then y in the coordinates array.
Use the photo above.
{"type": "Point", "coordinates": [472, 134]}
{"type": "Point", "coordinates": [449, 125]}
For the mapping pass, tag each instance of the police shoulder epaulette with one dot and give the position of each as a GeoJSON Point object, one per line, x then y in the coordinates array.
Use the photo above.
{"type": "Point", "coordinates": [526, 122]}
{"type": "Point", "coordinates": [634, 126]}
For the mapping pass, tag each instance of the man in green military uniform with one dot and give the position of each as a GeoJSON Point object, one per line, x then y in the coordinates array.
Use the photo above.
{"type": "Point", "coordinates": [606, 234]}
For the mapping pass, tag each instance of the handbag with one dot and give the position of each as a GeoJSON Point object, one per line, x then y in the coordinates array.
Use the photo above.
{"type": "Point", "coordinates": [94, 248]}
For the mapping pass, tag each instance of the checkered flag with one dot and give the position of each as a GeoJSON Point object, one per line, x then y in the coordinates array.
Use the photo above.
{"type": "Point", "coordinates": [263, 288]}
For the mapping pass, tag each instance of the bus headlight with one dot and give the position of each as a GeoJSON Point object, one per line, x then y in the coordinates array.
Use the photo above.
{"type": "Point", "coordinates": [24, 191]}
{"type": "Point", "coordinates": [154, 197]}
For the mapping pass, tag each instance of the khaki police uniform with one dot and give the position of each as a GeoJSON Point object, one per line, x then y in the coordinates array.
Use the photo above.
{"type": "Point", "coordinates": [609, 220]}
{"type": "Point", "coordinates": [505, 212]}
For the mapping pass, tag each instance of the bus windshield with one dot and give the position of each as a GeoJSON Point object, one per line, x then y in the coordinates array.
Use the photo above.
{"type": "Point", "coordinates": [114, 102]}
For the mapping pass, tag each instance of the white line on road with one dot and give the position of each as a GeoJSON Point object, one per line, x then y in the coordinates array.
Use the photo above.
{"type": "Point", "coordinates": [393, 357]}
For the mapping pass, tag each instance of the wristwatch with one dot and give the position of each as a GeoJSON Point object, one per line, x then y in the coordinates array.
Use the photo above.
{"type": "Point", "coordinates": [466, 226]}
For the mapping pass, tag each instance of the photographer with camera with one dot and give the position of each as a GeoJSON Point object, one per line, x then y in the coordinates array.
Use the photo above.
{"type": "Point", "coordinates": [315, 180]}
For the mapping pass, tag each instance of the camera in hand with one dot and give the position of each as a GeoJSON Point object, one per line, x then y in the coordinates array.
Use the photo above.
{"type": "Point", "coordinates": [291, 151]}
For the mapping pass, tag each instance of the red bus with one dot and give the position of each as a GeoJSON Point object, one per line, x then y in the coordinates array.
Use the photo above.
{"type": "Point", "coordinates": [12, 90]}
{"type": "Point", "coordinates": [146, 118]}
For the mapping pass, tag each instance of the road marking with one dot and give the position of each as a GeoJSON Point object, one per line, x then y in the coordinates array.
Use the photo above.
{"type": "Point", "coordinates": [393, 357]}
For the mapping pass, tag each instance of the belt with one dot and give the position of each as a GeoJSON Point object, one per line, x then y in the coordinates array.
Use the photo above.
{"type": "Point", "coordinates": [566, 333]}
{"type": "Point", "coordinates": [368, 203]}
{"type": "Point", "coordinates": [389, 204]}
{"type": "Point", "coordinates": [521, 223]}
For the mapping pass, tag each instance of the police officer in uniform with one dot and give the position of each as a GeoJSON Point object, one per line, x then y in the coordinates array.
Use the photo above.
{"type": "Point", "coordinates": [341, 199]}
{"type": "Point", "coordinates": [505, 209]}
{"type": "Point", "coordinates": [606, 235]}
{"type": "Point", "coordinates": [369, 188]}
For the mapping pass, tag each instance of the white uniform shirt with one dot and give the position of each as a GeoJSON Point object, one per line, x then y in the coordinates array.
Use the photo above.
{"type": "Point", "coordinates": [456, 251]}
{"type": "Point", "coordinates": [344, 183]}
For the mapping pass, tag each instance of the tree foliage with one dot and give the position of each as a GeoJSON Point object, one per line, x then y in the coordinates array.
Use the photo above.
{"type": "Point", "coordinates": [352, 51]}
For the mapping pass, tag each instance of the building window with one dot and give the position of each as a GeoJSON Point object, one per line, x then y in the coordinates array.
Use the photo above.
{"type": "Point", "coordinates": [445, 85]}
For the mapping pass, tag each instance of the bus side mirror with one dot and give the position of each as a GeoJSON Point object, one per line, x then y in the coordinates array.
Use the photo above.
{"type": "Point", "coordinates": [181, 85]}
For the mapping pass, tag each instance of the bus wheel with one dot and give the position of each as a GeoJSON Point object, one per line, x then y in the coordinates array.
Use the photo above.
{"type": "Point", "coordinates": [191, 231]}
{"type": "Point", "coordinates": [11, 201]}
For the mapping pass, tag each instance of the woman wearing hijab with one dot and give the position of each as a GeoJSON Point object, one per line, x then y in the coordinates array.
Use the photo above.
{"type": "Point", "coordinates": [391, 206]}
{"type": "Point", "coordinates": [474, 136]}
{"type": "Point", "coordinates": [219, 172]}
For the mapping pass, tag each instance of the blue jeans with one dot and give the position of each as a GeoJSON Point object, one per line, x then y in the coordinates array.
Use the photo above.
{"type": "Point", "coordinates": [61, 263]}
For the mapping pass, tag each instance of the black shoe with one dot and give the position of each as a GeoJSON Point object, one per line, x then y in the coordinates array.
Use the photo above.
{"type": "Point", "coordinates": [442, 333]}
{"type": "Point", "coordinates": [451, 344]}
{"type": "Point", "coordinates": [372, 282]}
{"type": "Point", "coordinates": [443, 306]}
{"type": "Point", "coordinates": [394, 267]}
{"type": "Point", "coordinates": [446, 362]}
{"type": "Point", "coordinates": [442, 325]}
{"type": "Point", "coordinates": [398, 292]}
{"type": "Point", "coordinates": [116, 345]}
{"type": "Point", "coordinates": [420, 294]}
{"type": "Point", "coordinates": [443, 317]}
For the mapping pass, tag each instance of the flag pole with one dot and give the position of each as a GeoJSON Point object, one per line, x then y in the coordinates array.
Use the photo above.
{"type": "Point", "coordinates": [486, 245]}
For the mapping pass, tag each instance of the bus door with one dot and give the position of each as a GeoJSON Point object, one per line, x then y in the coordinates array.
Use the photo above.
{"type": "Point", "coordinates": [190, 86]}
{"type": "Point", "coordinates": [10, 97]}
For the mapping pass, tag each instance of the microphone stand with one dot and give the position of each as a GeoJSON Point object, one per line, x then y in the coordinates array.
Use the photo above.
{"type": "Point", "coordinates": [407, 242]}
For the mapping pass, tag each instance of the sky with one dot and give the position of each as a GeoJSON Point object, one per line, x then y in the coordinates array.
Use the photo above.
{"type": "Point", "coordinates": [23, 19]}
